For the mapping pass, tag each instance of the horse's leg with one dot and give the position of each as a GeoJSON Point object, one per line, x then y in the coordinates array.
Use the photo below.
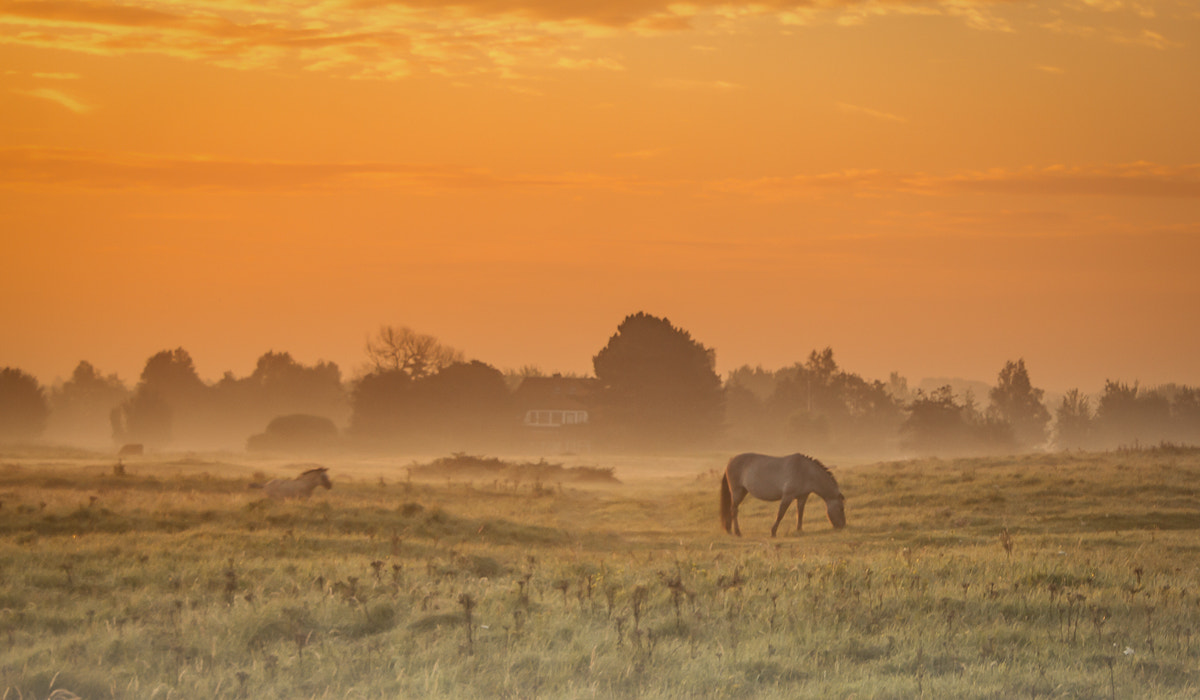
{"type": "Point", "coordinates": [738, 495]}
{"type": "Point", "coordinates": [800, 500]}
{"type": "Point", "coordinates": [783, 506]}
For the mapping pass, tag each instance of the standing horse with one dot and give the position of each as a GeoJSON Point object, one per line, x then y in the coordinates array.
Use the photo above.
{"type": "Point", "coordinates": [785, 479]}
{"type": "Point", "coordinates": [300, 487]}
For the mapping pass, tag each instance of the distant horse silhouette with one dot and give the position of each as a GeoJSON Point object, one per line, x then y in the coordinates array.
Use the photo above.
{"type": "Point", "coordinates": [785, 479]}
{"type": "Point", "coordinates": [300, 487]}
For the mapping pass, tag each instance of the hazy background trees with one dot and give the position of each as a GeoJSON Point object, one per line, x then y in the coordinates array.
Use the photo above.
{"type": "Point", "coordinates": [1126, 415]}
{"type": "Point", "coordinates": [80, 407]}
{"type": "Point", "coordinates": [278, 386]}
{"type": "Point", "coordinates": [171, 404]}
{"type": "Point", "coordinates": [943, 423]}
{"type": "Point", "coordinates": [816, 405]}
{"type": "Point", "coordinates": [656, 388]}
{"type": "Point", "coordinates": [812, 406]}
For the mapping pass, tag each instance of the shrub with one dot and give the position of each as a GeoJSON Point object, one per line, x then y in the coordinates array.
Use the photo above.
{"type": "Point", "coordinates": [295, 432]}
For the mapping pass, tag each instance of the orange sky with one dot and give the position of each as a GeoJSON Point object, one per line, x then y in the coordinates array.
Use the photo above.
{"type": "Point", "coordinates": [927, 187]}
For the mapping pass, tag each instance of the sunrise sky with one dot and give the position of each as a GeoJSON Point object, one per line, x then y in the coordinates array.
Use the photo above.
{"type": "Point", "coordinates": [928, 187]}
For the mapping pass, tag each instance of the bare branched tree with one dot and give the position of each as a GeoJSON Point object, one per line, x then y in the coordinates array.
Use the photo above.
{"type": "Point", "coordinates": [403, 349]}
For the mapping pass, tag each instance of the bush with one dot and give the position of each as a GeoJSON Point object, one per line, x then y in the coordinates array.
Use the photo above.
{"type": "Point", "coordinates": [298, 431]}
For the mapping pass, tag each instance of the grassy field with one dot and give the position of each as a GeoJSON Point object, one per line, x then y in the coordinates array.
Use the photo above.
{"type": "Point", "coordinates": [1066, 575]}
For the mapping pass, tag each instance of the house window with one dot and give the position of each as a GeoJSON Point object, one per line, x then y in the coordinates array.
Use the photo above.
{"type": "Point", "coordinates": [555, 418]}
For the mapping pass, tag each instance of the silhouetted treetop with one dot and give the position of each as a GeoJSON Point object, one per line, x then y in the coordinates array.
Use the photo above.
{"type": "Point", "coordinates": [759, 382]}
{"type": "Point", "coordinates": [281, 384]}
{"type": "Point", "coordinates": [658, 384]}
{"type": "Point", "coordinates": [80, 407]}
{"type": "Point", "coordinates": [23, 405]}
{"type": "Point", "coordinates": [1127, 414]}
{"type": "Point", "coordinates": [938, 423]}
{"type": "Point", "coordinates": [381, 404]}
{"type": "Point", "coordinates": [1015, 401]}
{"type": "Point", "coordinates": [645, 345]}
{"type": "Point", "coordinates": [172, 374]}
{"type": "Point", "coordinates": [464, 405]}
{"type": "Point", "coordinates": [86, 382]}
{"type": "Point", "coordinates": [1073, 420]}
{"type": "Point", "coordinates": [820, 404]}
{"type": "Point", "coordinates": [403, 349]}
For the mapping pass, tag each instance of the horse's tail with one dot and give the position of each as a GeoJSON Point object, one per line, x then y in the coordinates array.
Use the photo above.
{"type": "Point", "coordinates": [726, 505]}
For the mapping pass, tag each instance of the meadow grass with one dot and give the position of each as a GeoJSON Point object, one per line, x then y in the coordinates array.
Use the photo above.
{"type": "Point", "coordinates": [1062, 575]}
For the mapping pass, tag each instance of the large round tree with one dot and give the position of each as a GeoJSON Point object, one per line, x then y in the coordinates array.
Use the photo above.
{"type": "Point", "coordinates": [23, 406]}
{"type": "Point", "coordinates": [1015, 401]}
{"type": "Point", "coordinates": [659, 387]}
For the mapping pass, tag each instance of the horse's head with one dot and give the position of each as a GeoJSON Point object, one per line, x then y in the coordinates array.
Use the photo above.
{"type": "Point", "coordinates": [320, 476]}
{"type": "Point", "coordinates": [835, 508]}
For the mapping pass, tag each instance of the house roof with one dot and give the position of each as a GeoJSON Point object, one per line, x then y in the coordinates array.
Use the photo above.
{"type": "Point", "coordinates": [554, 393]}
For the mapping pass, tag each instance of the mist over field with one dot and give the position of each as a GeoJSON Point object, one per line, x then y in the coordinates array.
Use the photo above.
{"type": "Point", "coordinates": [654, 388]}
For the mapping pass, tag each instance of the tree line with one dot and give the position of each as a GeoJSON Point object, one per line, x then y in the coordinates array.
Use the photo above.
{"type": "Point", "coordinates": [655, 387]}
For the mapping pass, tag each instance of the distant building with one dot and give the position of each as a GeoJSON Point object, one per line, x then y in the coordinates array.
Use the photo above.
{"type": "Point", "coordinates": [556, 413]}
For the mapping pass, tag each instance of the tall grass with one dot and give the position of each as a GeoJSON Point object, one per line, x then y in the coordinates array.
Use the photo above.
{"type": "Point", "coordinates": [1046, 576]}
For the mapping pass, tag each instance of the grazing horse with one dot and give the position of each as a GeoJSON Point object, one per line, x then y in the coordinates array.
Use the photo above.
{"type": "Point", "coordinates": [785, 479]}
{"type": "Point", "coordinates": [300, 487]}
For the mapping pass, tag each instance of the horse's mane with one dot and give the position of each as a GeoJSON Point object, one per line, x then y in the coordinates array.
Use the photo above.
{"type": "Point", "coordinates": [314, 470]}
{"type": "Point", "coordinates": [818, 463]}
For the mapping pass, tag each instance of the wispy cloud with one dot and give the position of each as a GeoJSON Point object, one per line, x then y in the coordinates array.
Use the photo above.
{"type": "Point", "coordinates": [58, 97]}
{"type": "Point", "coordinates": [1143, 37]}
{"type": "Point", "coordinates": [1139, 179]}
{"type": "Point", "coordinates": [398, 38]}
{"type": "Point", "coordinates": [590, 63]}
{"type": "Point", "coordinates": [81, 169]}
{"type": "Point", "coordinates": [74, 169]}
{"type": "Point", "coordinates": [873, 113]}
{"type": "Point", "coordinates": [196, 32]}
{"type": "Point", "coordinates": [644, 154]}
{"type": "Point", "coordinates": [718, 85]}
{"type": "Point", "coordinates": [856, 182]}
{"type": "Point", "coordinates": [1121, 180]}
